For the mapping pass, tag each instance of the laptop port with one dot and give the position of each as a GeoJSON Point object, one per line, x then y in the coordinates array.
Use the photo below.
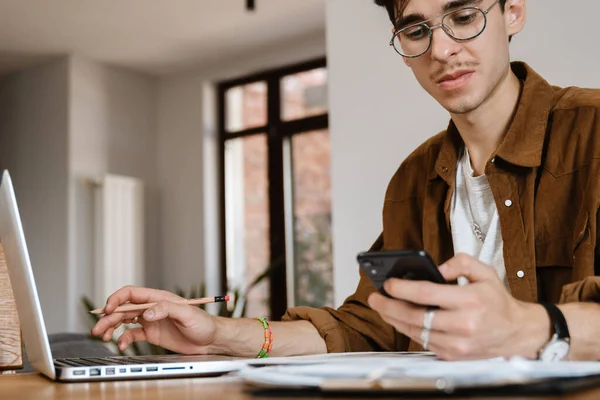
{"type": "Point", "coordinates": [110, 371]}
{"type": "Point", "coordinates": [135, 369]}
{"type": "Point", "coordinates": [94, 371]}
{"type": "Point", "coordinates": [122, 370]}
{"type": "Point", "coordinates": [151, 369]}
{"type": "Point", "coordinates": [79, 372]}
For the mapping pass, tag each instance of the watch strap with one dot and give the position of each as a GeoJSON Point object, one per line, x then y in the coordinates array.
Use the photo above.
{"type": "Point", "coordinates": [558, 321]}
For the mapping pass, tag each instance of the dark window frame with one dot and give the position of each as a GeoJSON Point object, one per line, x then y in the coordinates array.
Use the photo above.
{"type": "Point", "coordinates": [277, 131]}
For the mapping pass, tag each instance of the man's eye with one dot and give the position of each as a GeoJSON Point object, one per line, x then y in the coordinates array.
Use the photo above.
{"type": "Point", "coordinates": [415, 33]}
{"type": "Point", "coordinates": [464, 17]}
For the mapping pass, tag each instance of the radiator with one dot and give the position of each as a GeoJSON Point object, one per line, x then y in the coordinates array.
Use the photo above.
{"type": "Point", "coordinates": [119, 235]}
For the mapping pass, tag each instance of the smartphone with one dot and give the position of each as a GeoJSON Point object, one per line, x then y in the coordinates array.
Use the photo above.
{"type": "Point", "coordinates": [402, 264]}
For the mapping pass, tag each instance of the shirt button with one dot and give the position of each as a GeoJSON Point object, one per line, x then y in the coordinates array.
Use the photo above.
{"type": "Point", "coordinates": [508, 203]}
{"type": "Point", "coordinates": [520, 274]}
{"type": "Point", "coordinates": [445, 169]}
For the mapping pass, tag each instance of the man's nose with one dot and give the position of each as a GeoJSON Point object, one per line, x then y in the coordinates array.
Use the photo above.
{"type": "Point", "coordinates": [443, 47]}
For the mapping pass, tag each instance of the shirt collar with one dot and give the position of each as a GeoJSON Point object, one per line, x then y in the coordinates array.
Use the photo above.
{"type": "Point", "coordinates": [523, 143]}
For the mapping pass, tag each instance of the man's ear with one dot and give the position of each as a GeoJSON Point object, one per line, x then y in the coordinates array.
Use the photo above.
{"type": "Point", "coordinates": [515, 16]}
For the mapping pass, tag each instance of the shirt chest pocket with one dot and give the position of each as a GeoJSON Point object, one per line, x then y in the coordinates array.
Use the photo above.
{"type": "Point", "coordinates": [566, 246]}
{"type": "Point", "coordinates": [584, 248]}
{"type": "Point", "coordinates": [557, 260]}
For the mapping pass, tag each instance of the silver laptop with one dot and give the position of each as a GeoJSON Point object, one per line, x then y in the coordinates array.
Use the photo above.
{"type": "Point", "coordinates": [34, 330]}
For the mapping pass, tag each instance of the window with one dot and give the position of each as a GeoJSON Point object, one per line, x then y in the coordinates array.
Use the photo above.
{"type": "Point", "coordinates": [276, 188]}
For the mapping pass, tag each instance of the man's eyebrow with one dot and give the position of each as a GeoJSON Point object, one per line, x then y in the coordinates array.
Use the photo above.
{"type": "Point", "coordinates": [451, 5]}
{"type": "Point", "coordinates": [406, 20]}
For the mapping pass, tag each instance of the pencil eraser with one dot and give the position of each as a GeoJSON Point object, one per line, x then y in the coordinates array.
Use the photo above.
{"type": "Point", "coordinates": [226, 298]}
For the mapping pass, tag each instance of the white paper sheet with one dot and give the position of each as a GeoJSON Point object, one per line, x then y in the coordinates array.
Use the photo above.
{"type": "Point", "coordinates": [342, 357]}
{"type": "Point", "coordinates": [382, 367]}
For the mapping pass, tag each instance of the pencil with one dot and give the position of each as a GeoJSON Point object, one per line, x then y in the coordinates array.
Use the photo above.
{"type": "Point", "coordinates": [144, 306]}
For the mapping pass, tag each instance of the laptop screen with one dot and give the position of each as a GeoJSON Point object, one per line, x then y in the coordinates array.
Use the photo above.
{"type": "Point", "coordinates": [23, 282]}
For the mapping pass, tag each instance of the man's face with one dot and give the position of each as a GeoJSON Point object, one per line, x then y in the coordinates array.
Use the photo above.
{"type": "Point", "coordinates": [461, 75]}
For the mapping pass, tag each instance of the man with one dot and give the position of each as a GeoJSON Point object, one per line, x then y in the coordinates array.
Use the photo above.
{"type": "Point", "coordinates": [513, 182]}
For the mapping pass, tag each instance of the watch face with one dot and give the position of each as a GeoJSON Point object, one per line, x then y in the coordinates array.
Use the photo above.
{"type": "Point", "coordinates": [555, 351]}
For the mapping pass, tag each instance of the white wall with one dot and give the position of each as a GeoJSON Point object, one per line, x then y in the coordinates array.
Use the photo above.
{"type": "Point", "coordinates": [112, 130]}
{"type": "Point", "coordinates": [186, 137]}
{"type": "Point", "coordinates": [59, 123]}
{"type": "Point", "coordinates": [181, 179]}
{"type": "Point", "coordinates": [33, 146]}
{"type": "Point", "coordinates": [379, 114]}
{"type": "Point", "coordinates": [558, 44]}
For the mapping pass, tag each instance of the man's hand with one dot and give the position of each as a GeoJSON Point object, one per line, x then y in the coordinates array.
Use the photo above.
{"type": "Point", "coordinates": [178, 327]}
{"type": "Point", "coordinates": [479, 320]}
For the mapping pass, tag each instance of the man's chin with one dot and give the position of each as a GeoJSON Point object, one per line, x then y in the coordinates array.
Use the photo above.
{"type": "Point", "coordinates": [459, 106]}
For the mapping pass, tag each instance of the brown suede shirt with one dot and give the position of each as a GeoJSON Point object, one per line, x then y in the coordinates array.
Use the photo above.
{"type": "Point", "coordinates": [545, 177]}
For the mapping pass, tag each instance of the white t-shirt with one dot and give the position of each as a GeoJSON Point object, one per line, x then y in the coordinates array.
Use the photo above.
{"type": "Point", "coordinates": [476, 191]}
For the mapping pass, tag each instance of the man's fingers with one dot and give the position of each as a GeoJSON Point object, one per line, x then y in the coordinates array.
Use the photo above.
{"type": "Point", "coordinates": [181, 313]}
{"type": "Point", "coordinates": [445, 296]}
{"type": "Point", "coordinates": [107, 336]}
{"type": "Point", "coordinates": [426, 293]}
{"type": "Point", "coordinates": [137, 295]}
{"type": "Point", "coordinates": [129, 336]}
{"type": "Point", "coordinates": [446, 346]}
{"type": "Point", "coordinates": [462, 265]}
{"type": "Point", "coordinates": [453, 322]}
{"type": "Point", "coordinates": [110, 320]}
{"type": "Point", "coordinates": [414, 333]}
{"type": "Point", "coordinates": [407, 313]}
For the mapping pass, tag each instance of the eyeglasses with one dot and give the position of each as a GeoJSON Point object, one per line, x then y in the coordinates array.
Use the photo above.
{"type": "Point", "coordinates": [461, 25]}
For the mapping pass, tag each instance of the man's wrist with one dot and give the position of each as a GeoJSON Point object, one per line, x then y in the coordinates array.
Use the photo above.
{"type": "Point", "coordinates": [240, 337]}
{"type": "Point", "coordinates": [536, 330]}
{"type": "Point", "coordinates": [226, 330]}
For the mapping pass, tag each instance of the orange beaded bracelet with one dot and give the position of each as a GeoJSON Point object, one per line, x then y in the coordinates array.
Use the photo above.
{"type": "Point", "coordinates": [268, 343]}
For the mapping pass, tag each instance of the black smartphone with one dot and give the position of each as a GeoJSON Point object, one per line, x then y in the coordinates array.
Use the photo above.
{"type": "Point", "coordinates": [402, 264]}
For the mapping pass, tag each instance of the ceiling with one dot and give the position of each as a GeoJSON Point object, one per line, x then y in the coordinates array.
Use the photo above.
{"type": "Point", "coordinates": [159, 37]}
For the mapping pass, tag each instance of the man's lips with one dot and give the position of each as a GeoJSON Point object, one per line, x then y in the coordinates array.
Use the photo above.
{"type": "Point", "coordinates": [455, 80]}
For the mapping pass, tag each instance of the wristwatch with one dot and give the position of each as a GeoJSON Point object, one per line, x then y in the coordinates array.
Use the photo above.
{"type": "Point", "coordinates": [557, 348]}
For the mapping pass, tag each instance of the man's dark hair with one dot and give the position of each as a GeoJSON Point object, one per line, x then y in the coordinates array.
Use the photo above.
{"type": "Point", "coordinates": [396, 7]}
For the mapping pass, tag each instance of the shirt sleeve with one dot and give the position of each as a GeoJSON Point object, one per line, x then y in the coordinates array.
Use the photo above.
{"type": "Point", "coordinates": [354, 326]}
{"type": "Point", "coordinates": [588, 288]}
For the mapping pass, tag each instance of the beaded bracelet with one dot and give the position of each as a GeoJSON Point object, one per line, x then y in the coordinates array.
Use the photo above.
{"type": "Point", "coordinates": [268, 344]}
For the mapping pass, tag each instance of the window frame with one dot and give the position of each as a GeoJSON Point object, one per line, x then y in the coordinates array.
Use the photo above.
{"type": "Point", "coordinates": [277, 131]}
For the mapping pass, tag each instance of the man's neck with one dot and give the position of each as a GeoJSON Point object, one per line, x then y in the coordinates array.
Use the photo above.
{"type": "Point", "coordinates": [482, 129]}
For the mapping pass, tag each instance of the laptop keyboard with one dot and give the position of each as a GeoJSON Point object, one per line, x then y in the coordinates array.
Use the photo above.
{"type": "Point", "coordinates": [97, 361]}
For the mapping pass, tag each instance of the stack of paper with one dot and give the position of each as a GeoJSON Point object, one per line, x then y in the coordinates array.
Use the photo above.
{"type": "Point", "coordinates": [419, 372]}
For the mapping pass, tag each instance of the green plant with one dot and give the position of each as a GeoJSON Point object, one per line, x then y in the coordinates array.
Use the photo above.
{"type": "Point", "coordinates": [314, 262]}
